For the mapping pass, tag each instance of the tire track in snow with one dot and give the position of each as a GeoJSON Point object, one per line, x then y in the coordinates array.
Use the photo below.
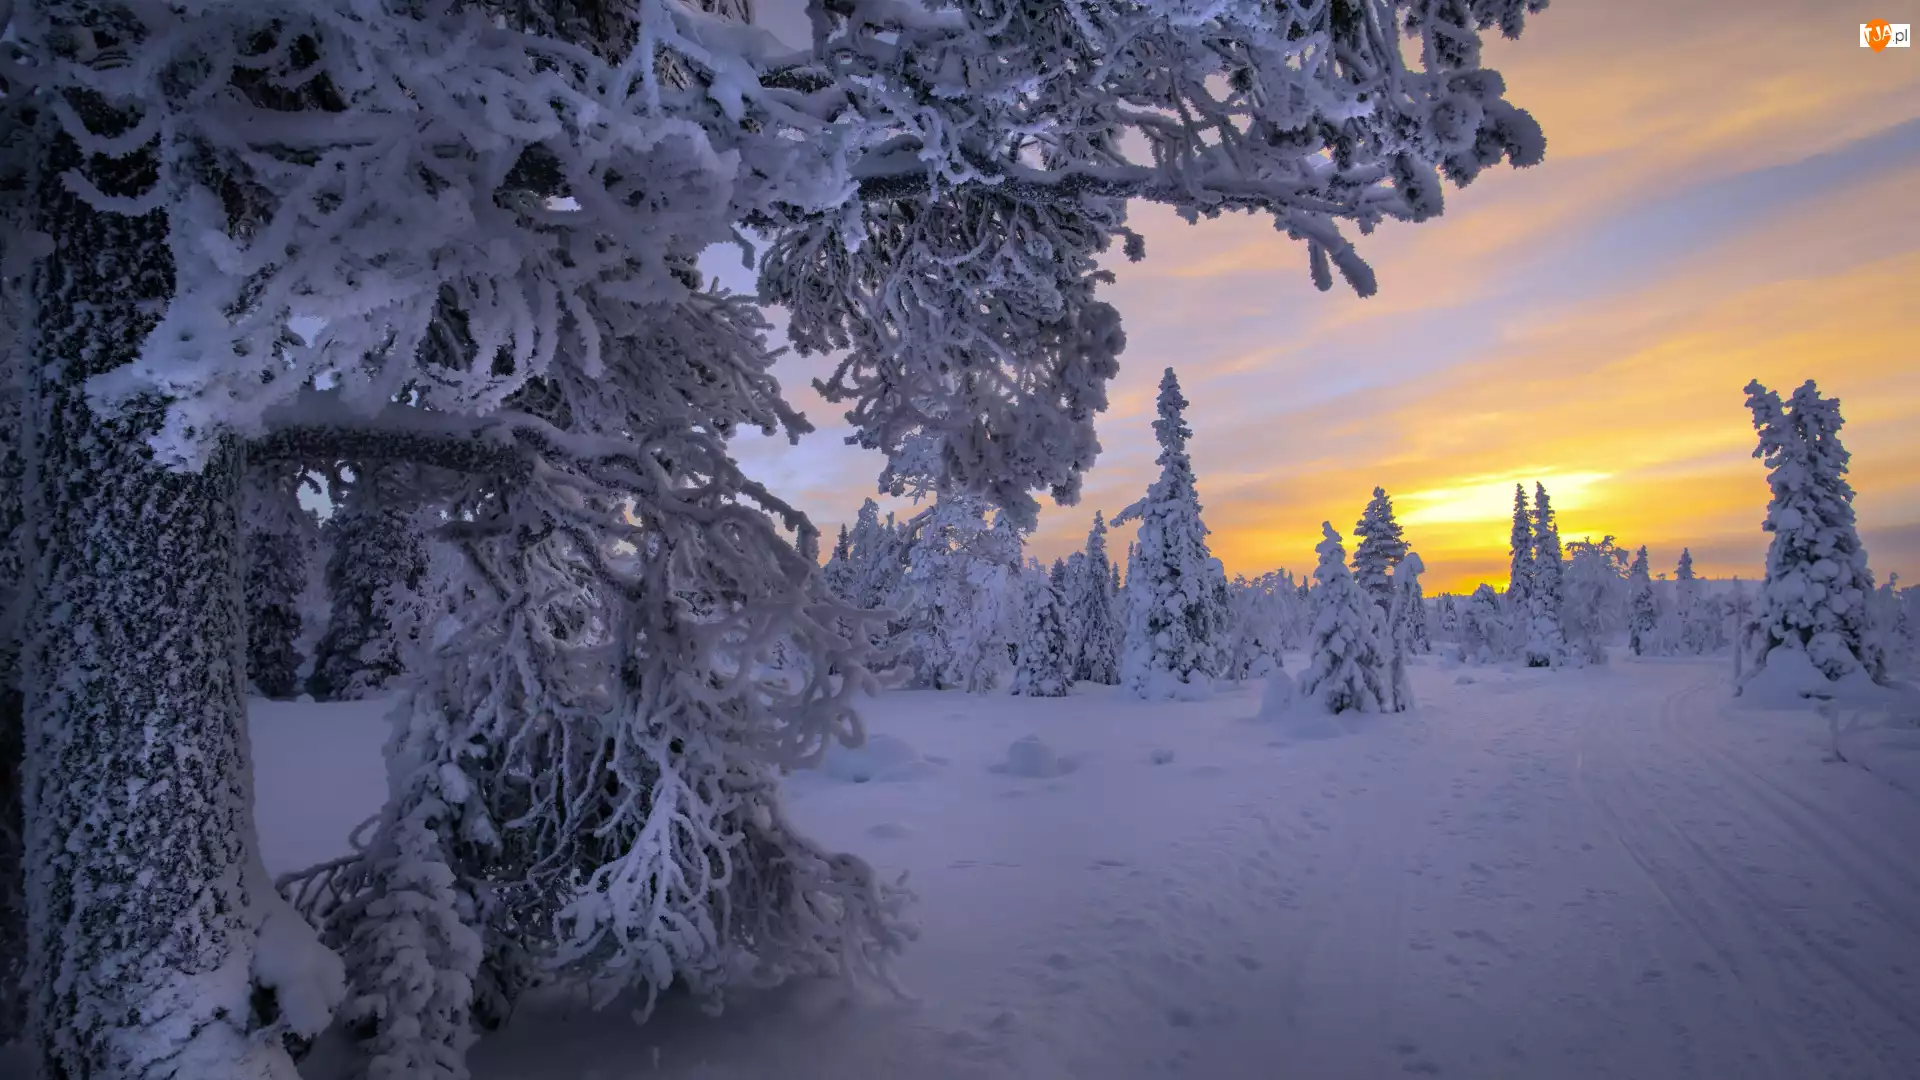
{"type": "Point", "coordinates": [1746, 927]}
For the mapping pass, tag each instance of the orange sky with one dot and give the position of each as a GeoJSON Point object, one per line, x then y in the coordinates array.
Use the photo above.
{"type": "Point", "coordinates": [1723, 199]}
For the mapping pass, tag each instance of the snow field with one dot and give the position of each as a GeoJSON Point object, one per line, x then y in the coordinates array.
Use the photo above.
{"type": "Point", "coordinates": [1607, 872]}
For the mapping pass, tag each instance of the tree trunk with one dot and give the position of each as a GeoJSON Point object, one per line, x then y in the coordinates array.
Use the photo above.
{"type": "Point", "coordinates": [145, 892]}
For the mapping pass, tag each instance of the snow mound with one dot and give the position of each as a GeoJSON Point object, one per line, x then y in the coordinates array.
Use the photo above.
{"type": "Point", "coordinates": [1789, 680]}
{"type": "Point", "coordinates": [881, 758]}
{"type": "Point", "coordinates": [1161, 756]}
{"type": "Point", "coordinates": [1279, 696]}
{"type": "Point", "coordinates": [1301, 719]}
{"type": "Point", "coordinates": [307, 978]}
{"type": "Point", "coordinates": [892, 830]}
{"type": "Point", "coordinates": [1032, 758]}
{"type": "Point", "coordinates": [1463, 680]}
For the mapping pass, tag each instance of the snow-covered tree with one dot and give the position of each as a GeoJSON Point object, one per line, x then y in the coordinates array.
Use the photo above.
{"type": "Point", "coordinates": [1410, 606]}
{"type": "Point", "coordinates": [1485, 628]}
{"type": "Point", "coordinates": [1093, 614]}
{"type": "Point", "coordinates": [1814, 599]}
{"type": "Point", "coordinates": [1449, 617]}
{"type": "Point", "coordinates": [961, 597]}
{"type": "Point", "coordinates": [1520, 551]}
{"type": "Point", "coordinates": [1176, 621]}
{"type": "Point", "coordinates": [1546, 643]}
{"type": "Point", "coordinates": [1591, 594]}
{"type": "Point", "coordinates": [474, 201]}
{"type": "Point", "coordinates": [1346, 667]}
{"type": "Point", "coordinates": [1044, 668]}
{"type": "Point", "coordinates": [1258, 613]}
{"type": "Point", "coordinates": [375, 555]}
{"type": "Point", "coordinates": [1644, 620]}
{"type": "Point", "coordinates": [838, 574]}
{"type": "Point", "coordinates": [282, 539]}
{"type": "Point", "coordinates": [876, 557]}
{"type": "Point", "coordinates": [1406, 630]}
{"type": "Point", "coordinates": [1380, 549]}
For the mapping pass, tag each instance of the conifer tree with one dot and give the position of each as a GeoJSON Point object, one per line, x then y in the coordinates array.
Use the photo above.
{"type": "Point", "coordinates": [1814, 598]}
{"type": "Point", "coordinates": [1644, 619]}
{"type": "Point", "coordinates": [838, 574]}
{"type": "Point", "coordinates": [1410, 605]}
{"type": "Point", "coordinates": [1407, 630]}
{"type": "Point", "coordinates": [1485, 629]}
{"type": "Point", "coordinates": [1520, 548]}
{"type": "Point", "coordinates": [1175, 618]}
{"type": "Point", "coordinates": [1043, 669]}
{"type": "Point", "coordinates": [281, 538]}
{"type": "Point", "coordinates": [1092, 604]}
{"type": "Point", "coordinates": [375, 559]}
{"type": "Point", "coordinates": [1546, 644]}
{"type": "Point", "coordinates": [1380, 549]}
{"type": "Point", "coordinates": [1346, 669]}
{"type": "Point", "coordinates": [909, 227]}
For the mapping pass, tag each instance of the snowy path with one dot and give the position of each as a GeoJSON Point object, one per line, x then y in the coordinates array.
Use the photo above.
{"type": "Point", "coordinates": [1592, 874]}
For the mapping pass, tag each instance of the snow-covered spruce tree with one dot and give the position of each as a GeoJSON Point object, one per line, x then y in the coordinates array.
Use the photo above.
{"type": "Point", "coordinates": [1257, 611]}
{"type": "Point", "coordinates": [1484, 627]}
{"type": "Point", "coordinates": [1093, 602]}
{"type": "Point", "coordinates": [1814, 598]}
{"type": "Point", "coordinates": [1546, 643]}
{"type": "Point", "coordinates": [1449, 617]}
{"type": "Point", "coordinates": [374, 552]}
{"type": "Point", "coordinates": [209, 212]}
{"type": "Point", "coordinates": [1520, 552]}
{"type": "Point", "coordinates": [875, 556]}
{"type": "Point", "coordinates": [1696, 622]}
{"type": "Point", "coordinates": [1176, 622]}
{"type": "Point", "coordinates": [838, 574]}
{"type": "Point", "coordinates": [1643, 620]}
{"type": "Point", "coordinates": [1406, 622]}
{"type": "Point", "coordinates": [1380, 549]}
{"type": "Point", "coordinates": [960, 597]}
{"type": "Point", "coordinates": [1044, 669]}
{"type": "Point", "coordinates": [281, 538]}
{"type": "Point", "coordinates": [1410, 606]}
{"type": "Point", "coordinates": [1346, 668]}
{"type": "Point", "coordinates": [1590, 591]}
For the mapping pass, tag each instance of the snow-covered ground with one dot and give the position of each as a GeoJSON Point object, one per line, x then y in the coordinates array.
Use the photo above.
{"type": "Point", "coordinates": [1605, 873]}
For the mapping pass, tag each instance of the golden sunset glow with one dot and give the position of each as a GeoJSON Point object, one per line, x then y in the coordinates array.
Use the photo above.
{"type": "Point", "coordinates": [1723, 199]}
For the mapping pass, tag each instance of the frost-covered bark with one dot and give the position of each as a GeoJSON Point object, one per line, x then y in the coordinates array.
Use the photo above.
{"type": "Point", "coordinates": [1814, 599]}
{"type": "Point", "coordinates": [1346, 667]}
{"type": "Point", "coordinates": [13, 595]}
{"type": "Point", "coordinates": [375, 559]}
{"type": "Point", "coordinates": [1176, 620]}
{"type": "Point", "coordinates": [146, 896]}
